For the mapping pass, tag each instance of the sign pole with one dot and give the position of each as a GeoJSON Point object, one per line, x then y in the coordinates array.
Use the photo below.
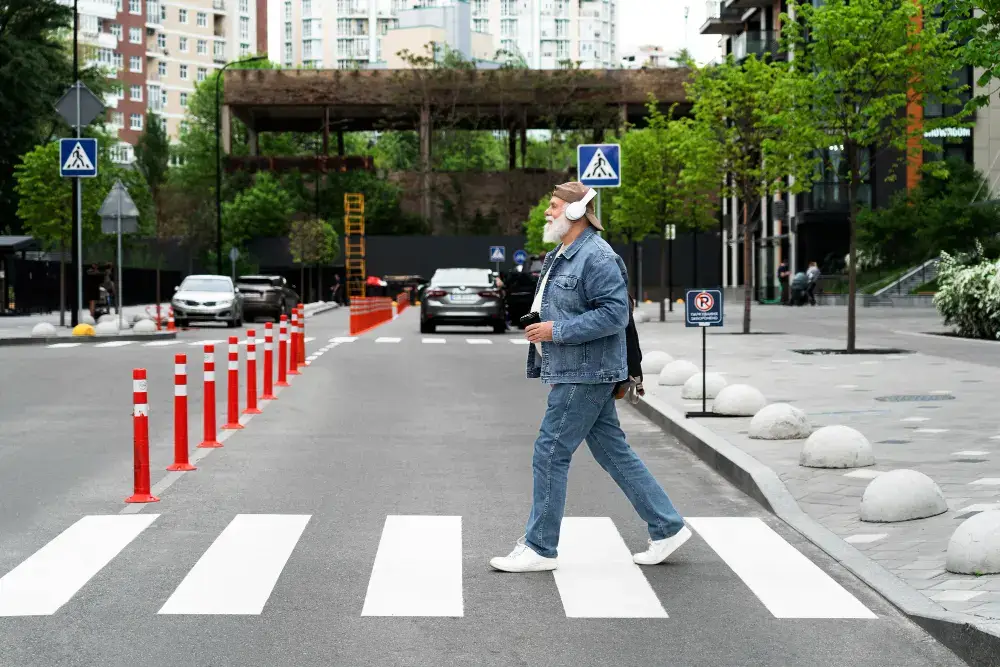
{"type": "Point", "coordinates": [597, 207]}
{"type": "Point", "coordinates": [703, 308]}
{"type": "Point", "coordinates": [118, 290]}
{"type": "Point", "coordinates": [704, 366]}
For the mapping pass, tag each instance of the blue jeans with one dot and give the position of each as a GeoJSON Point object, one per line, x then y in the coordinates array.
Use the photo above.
{"type": "Point", "coordinates": [587, 411]}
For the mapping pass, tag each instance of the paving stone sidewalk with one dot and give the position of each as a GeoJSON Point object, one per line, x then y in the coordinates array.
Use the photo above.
{"type": "Point", "coordinates": [948, 428]}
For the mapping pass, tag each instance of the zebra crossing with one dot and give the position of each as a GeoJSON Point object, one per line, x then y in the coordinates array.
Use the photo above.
{"type": "Point", "coordinates": [430, 340]}
{"type": "Point", "coordinates": [161, 343]}
{"type": "Point", "coordinates": [417, 569]}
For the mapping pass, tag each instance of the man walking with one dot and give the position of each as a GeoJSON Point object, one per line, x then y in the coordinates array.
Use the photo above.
{"type": "Point", "coordinates": [812, 274]}
{"type": "Point", "coordinates": [579, 349]}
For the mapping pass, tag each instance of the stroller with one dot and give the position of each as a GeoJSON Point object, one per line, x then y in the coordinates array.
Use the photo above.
{"type": "Point", "coordinates": [800, 289]}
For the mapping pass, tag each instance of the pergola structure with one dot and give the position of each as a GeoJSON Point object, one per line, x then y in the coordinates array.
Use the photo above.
{"type": "Point", "coordinates": [515, 100]}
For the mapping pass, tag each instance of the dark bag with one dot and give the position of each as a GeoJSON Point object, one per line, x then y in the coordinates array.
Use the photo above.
{"type": "Point", "coordinates": [633, 385]}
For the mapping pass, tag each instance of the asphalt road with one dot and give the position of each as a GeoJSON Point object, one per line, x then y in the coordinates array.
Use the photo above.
{"type": "Point", "coordinates": [351, 524]}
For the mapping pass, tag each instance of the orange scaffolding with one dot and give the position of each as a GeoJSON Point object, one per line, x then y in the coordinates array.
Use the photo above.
{"type": "Point", "coordinates": [354, 244]}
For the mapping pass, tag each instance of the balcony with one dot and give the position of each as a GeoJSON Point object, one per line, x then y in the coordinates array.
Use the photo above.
{"type": "Point", "coordinates": [756, 42]}
{"type": "Point", "coordinates": [832, 197]}
{"type": "Point", "coordinates": [722, 20]}
{"type": "Point", "coordinates": [741, 6]}
{"type": "Point", "coordinates": [104, 9]}
{"type": "Point", "coordinates": [219, 5]}
{"type": "Point", "coordinates": [219, 53]}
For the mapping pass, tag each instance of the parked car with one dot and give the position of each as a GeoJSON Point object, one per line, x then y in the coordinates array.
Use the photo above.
{"type": "Point", "coordinates": [462, 297]}
{"type": "Point", "coordinates": [266, 296]}
{"type": "Point", "coordinates": [520, 283]}
{"type": "Point", "coordinates": [207, 299]}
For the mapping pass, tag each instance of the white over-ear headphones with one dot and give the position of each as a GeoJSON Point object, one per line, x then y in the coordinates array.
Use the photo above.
{"type": "Point", "coordinates": [578, 209]}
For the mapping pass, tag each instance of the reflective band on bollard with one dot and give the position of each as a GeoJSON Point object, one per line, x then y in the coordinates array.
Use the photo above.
{"type": "Point", "coordinates": [252, 408]}
{"type": "Point", "coordinates": [293, 345]}
{"type": "Point", "coordinates": [140, 440]}
{"type": "Point", "coordinates": [268, 394]}
{"type": "Point", "coordinates": [181, 462]}
{"type": "Point", "coordinates": [210, 438]}
{"type": "Point", "coordinates": [233, 413]}
{"type": "Point", "coordinates": [283, 353]}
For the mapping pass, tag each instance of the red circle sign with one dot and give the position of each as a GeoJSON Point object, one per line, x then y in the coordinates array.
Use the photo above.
{"type": "Point", "coordinates": [703, 301]}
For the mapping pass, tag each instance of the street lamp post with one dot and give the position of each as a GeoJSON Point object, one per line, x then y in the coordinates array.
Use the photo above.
{"type": "Point", "coordinates": [218, 164]}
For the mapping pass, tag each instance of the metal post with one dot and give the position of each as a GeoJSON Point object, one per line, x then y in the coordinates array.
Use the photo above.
{"type": "Point", "coordinates": [118, 291]}
{"type": "Point", "coordinates": [704, 370]}
{"type": "Point", "coordinates": [598, 207]}
{"type": "Point", "coordinates": [670, 271]}
{"type": "Point", "coordinates": [218, 178]}
{"type": "Point", "coordinates": [77, 238]}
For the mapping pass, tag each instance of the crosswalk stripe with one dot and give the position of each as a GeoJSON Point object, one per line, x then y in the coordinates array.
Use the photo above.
{"type": "Point", "coordinates": [785, 581]}
{"type": "Point", "coordinates": [200, 343]}
{"type": "Point", "coordinates": [309, 339]}
{"type": "Point", "coordinates": [597, 577]}
{"type": "Point", "coordinates": [51, 576]}
{"type": "Point", "coordinates": [56, 346]}
{"type": "Point", "coordinates": [114, 343]}
{"type": "Point", "coordinates": [478, 341]}
{"type": "Point", "coordinates": [433, 341]}
{"type": "Point", "coordinates": [162, 343]}
{"type": "Point", "coordinates": [343, 339]}
{"type": "Point", "coordinates": [384, 339]}
{"type": "Point", "coordinates": [417, 569]}
{"type": "Point", "coordinates": [237, 573]}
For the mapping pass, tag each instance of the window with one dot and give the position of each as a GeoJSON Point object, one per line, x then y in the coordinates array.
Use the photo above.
{"type": "Point", "coordinates": [163, 13]}
{"type": "Point", "coordinates": [118, 119]}
{"type": "Point", "coordinates": [161, 40]}
{"type": "Point", "coordinates": [116, 30]}
{"type": "Point", "coordinates": [119, 6]}
{"type": "Point", "coordinates": [162, 69]}
{"type": "Point", "coordinates": [135, 93]}
{"type": "Point", "coordinates": [184, 72]}
{"type": "Point", "coordinates": [135, 7]}
{"type": "Point", "coordinates": [307, 8]}
{"type": "Point", "coordinates": [307, 29]}
{"type": "Point", "coordinates": [307, 49]}
{"type": "Point", "coordinates": [202, 73]}
{"type": "Point", "coordinates": [508, 7]}
{"type": "Point", "coordinates": [244, 49]}
{"type": "Point", "coordinates": [288, 9]}
{"type": "Point", "coordinates": [135, 63]}
{"type": "Point", "coordinates": [163, 99]}
{"type": "Point", "coordinates": [508, 27]}
{"type": "Point", "coordinates": [182, 15]}
{"type": "Point", "coordinates": [481, 25]}
{"type": "Point", "coordinates": [288, 54]}
{"type": "Point", "coordinates": [184, 44]}
{"type": "Point", "coordinates": [480, 7]}
{"type": "Point", "coordinates": [562, 28]}
{"type": "Point", "coordinates": [104, 57]}
{"type": "Point", "coordinates": [202, 47]}
{"type": "Point", "coordinates": [202, 19]}
{"type": "Point", "coordinates": [288, 30]}
{"type": "Point", "coordinates": [244, 7]}
{"type": "Point", "coordinates": [119, 60]}
{"type": "Point", "coordinates": [135, 121]}
{"type": "Point", "coordinates": [244, 27]}
{"type": "Point", "coordinates": [184, 100]}
{"type": "Point", "coordinates": [562, 50]}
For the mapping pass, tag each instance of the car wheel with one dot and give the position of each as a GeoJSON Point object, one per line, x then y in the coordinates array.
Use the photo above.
{"type": "Point", "coordinates": [180, 324]}
{"type": "Point", "coordinates": [500, 328]}
{"type": "Point", "coordinates": [426, 327]}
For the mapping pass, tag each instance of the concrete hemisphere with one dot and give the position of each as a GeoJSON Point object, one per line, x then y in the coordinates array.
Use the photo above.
{"type": "Point", "coordinates": [780, 421]}
{"type": "Point", "coordinates": [86, 318]}
{"type": "Point", "coordinates": [653, 362]}
{"type": "Point", "coordinates": [83, 329]}
{"type": "Point", "coordinates": [43, 330]}
{"type": "Point", "coordinates": [901, 495]}
{"type": "Point", "coordinates": [676, 373]}
{"type": "Point", "coordinates": [106, 329]}
{"type": "Point", "coordinates": [640, 317]}
{"type": "Point", "coordinates": [739, 400]}
{"type": "Point", "coordinates": [974, 547]}
{"type": "Point", "coordinates": [144, 327]}
{"type": "Point", "coordinates": [836, 447]}
{"type": "Point", "coordinates": [714, 383]}
{"type": "Point", "coordinates": [107, 317]}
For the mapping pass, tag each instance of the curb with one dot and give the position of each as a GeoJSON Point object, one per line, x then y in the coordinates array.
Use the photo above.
{"type": "Point", "coordinates": [28, 340]}
{"type": "Point", "coordinates": [967, 636]}
{"type": "Point", "coordinates": [322, 309]}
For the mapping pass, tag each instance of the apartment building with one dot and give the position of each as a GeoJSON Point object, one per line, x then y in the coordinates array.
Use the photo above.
{"type": "Point", "coordinates": [648, 56]}
{"type": "Point", "coordinates": [157, 51]}
{"type": "Point", "coordinates": [815, 227]}
{"type": "Point", "coordinates": [351, 33]}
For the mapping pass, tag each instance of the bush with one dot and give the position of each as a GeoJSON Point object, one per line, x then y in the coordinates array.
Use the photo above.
{"type": "Point", "coordinates": [969, 295]}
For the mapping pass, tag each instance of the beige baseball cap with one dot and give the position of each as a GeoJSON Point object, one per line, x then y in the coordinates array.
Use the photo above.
{"type": "Point", "coordinates": [575, 191]}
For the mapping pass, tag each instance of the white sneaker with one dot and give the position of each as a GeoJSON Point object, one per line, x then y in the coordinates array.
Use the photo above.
{"type": "Point", "coordinates": [523, 559]}
{"type": "Point", "coordinates": [660, 550]}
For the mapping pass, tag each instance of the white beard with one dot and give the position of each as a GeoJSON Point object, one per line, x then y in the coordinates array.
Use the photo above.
{"type": "Point", "coordinates": [555, 229]}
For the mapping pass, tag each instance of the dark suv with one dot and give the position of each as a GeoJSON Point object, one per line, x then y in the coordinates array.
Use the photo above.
{"type": "Point", "coordinates": [267, 296]}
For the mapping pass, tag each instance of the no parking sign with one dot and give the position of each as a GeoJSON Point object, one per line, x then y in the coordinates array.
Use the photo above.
{"type": "Point", "coordinates": [704, 308]}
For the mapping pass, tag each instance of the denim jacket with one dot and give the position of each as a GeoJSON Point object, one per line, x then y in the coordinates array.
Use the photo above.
{"type": "Point", "coordinates": [586, 297]}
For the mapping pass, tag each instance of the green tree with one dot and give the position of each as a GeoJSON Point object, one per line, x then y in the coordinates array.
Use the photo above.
{"type": "Point", "coordinates": [857, 90]}
{"type": "Point", "coordinates": [976, 25]}
{"type": "Point", "coordinates": [751, 118]}
{"type": "Point", "coordinates": [152, 159]}
{"type": "Point", "coordinates": [262, 210]}
{"type": "Point", "coordinates": [534, 228]}
{"type": "Point", "coordinates": [312, 241]}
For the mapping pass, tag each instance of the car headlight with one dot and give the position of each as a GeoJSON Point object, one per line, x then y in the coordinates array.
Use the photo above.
{"type": "Point", "coordinates": [225, 303]}
{"type": "Point", "coordinates": [175, 302]}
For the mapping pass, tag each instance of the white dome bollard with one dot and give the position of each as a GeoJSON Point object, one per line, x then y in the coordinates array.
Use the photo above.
{"type": "Point", "coordinates": [836, 447]}
{"type": "Point", "coordinates": [653, 362]}
{"type": "Point", "coordinates": [43, 330]}
{"type": "Point", "coordinates": [739, 400]}
{"type": "Point", "coordinates": [145, 326]}
{"type": "Point", "coordinates": [640, 317]}
{"type": "Point", "coordinates": [780, 421]}
{"type": "Point", "coordinates": [901, 495]}
{"type": "Point", "coordinates": [713, 385]}
{"type": "Point", "coordinates": [676, 373]}
{"type": "Point", "coordinates": [108, 317]}
{"type": "Point", "coordinates": [86, 318]}
{"type": "Point", "coordinates": [106, 329]}
{"type": "Point", "coordinates": [974, 547]}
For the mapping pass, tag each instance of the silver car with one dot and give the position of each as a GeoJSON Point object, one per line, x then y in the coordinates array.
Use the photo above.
{"type": "Point", "coordinates": [462, 297]}
{"type": "Point", "coordinates": [207, 299]}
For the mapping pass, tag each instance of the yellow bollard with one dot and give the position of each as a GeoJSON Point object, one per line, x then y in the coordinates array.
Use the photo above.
{"type": "Point", "coordinates": [83, 330]}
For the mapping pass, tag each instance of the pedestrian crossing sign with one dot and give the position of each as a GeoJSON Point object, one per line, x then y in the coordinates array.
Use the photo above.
{"type": "Point", "coordinates": [78, 158]}
{"type": "Point", "coordinates": [599, 165]}
{"type": "Point", "coordinates": [497, 253]}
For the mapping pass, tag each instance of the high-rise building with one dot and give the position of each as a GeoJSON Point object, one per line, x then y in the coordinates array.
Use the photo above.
{"type": "Point", "coordinates": [350, 33]}
{"type": "Point", "coordinates": [158, 50]}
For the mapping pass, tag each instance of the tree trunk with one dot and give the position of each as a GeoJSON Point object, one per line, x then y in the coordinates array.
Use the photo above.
{"type": "Point", "coordinates": [852, 269]}
{"type": "Point", "coordinates": [62, 283]}
{"type": "Point", "coordinates": [302, 283]}
{"type": "Point", "coordinates": [319, 282]}
{"type": "Point", "coordinates": [663, 276]}
{"type": "Point", "coordinates": [747, 272]}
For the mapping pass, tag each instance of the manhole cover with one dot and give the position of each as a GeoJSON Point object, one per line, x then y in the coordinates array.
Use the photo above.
{"type": "Point", "coordinates": [913, 398]}
{"type": "Point", "coordinates": [829, 351]}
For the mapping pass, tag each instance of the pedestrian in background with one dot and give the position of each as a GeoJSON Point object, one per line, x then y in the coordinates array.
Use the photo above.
{"type": "Point", "coordinates": [813, 275]}
{"type": "Point", "coordinates": [784, 282]}
{"type": "Point", "coordinates": [579, 349]}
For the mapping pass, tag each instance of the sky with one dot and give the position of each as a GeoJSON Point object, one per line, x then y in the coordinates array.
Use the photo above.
{"type": "Point", "coordinates": [661, 23]}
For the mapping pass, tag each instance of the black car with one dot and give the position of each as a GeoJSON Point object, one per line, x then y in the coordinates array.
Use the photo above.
{"type": "Point", "coordinates": [266, 296]}
{"type": "Point", "coordinates": [519, 287]}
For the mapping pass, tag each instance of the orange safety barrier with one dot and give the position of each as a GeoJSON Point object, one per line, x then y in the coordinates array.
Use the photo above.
{"type": "Point", "coordinates": [402, 302]}
{"type": "Point", "coordinates": [369, 312]}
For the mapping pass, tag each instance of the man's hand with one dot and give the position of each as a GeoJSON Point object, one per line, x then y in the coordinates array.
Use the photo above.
{"type": "Point", "coordinates": [539, 333]}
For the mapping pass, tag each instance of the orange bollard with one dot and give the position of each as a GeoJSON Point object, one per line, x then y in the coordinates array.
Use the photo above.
{"type": "Point", "coordinates": [140, 440]}
{"type": "Point", "coordinates": [302, 336]}
{"type": "Point", "coordinates": [252, 408]}
{"type": "Point", "coordinates": [233, 416]}
{"type": "Point", "coordinates": [293, 345]}
{"type": "Point", "coordinates": [268, 394]}
{"type": "Point", "coordinates": [283, 352]}
{"type": "Point", "coordinates": [210, 441]}
{"type": "Point", "coordinates": [170, 321]}
{"type": "Point", "coordinates": [181, 462]}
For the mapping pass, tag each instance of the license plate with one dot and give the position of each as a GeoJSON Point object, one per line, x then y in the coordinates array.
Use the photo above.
{"type": "Point", "coordinates": [464, 298]}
